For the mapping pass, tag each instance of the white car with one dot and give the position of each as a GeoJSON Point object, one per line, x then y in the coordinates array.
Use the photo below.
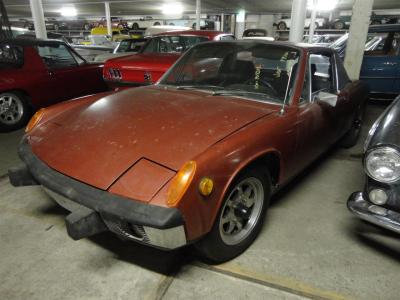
{"type": "Point", "coordinates": [125, 47]}
{"type": "Point", "coordinates": [285, 23]}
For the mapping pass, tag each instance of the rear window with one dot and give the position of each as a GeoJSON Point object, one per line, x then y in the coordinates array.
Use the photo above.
{"type": "Point", "coordinates": [11, 55]}
{"type": "Point", "coordinates": [172, 44]}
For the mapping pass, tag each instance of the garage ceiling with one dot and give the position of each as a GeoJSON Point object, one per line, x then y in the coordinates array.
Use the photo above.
{"type": "Point", "coordinates": [152, 7]}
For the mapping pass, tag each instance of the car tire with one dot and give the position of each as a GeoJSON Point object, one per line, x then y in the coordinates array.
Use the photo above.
{"type": "Point", "coordinates": [351, 137]}
{"type": "Point", "coordinates": [135, 26]}
{"type": "Point", "coordinates": [282, 26]}
{"type": "Point", "coordinates": [339, 25]}
{"type": "Point", "coordinates": [86, 27]}
{"type": "Point", "coordinates": [220, 245]}
{"type": "Point", "coordinates": [15, 111]}
{"type": "Point", "coordinates": [56, 27]}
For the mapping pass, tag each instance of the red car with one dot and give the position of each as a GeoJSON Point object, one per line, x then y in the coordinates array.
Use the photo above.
{"type": "Point", "coordinates": [155, 58]}
{"type": "Point", "coordinates": [115, 23]}
{"type": "Point", "coordinates": [196, 157]}
{"type": "Point", "coordinates": [36, 73]}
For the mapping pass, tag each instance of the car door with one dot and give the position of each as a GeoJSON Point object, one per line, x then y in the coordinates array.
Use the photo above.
{"type": "Point", "coordinates": [317, 110]}
{"type": "Point", "coordinates": [65, 80]}
{"type": "Point", "coordinates": [380, 65]}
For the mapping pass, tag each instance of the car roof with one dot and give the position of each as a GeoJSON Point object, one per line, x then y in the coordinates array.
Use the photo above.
{"type": "Point", "coordinates": [31, 42]}
{"type": "Point", "coordinates": [209, 33]}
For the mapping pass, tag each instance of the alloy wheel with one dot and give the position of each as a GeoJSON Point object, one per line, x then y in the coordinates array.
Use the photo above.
{"type": "Point", "coordinates": [11, 109]}
{"type": "Point", "coordinates": [241, 211]}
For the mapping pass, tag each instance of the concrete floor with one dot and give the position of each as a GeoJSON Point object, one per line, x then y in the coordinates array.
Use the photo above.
{"type": "Point", "coordinates": [310, 247]}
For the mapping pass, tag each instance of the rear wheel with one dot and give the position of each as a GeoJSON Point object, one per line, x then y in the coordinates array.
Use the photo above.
{"type": "Point", "coordinates": [351, 137]}
{"type": "Point", "coordinates": [240, 218]}
{"type": "Point", "coordinates": [339, 25]}
{"type": "Point", "coordinates": [282, 26]}
{"type": "Point", "coordinates": [14, 111]}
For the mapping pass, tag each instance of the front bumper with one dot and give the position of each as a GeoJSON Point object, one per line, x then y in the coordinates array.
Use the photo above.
{"type": "Point", "coordinates": [94, 210]}
{"type": "Point", "coordinates": [375, 214]}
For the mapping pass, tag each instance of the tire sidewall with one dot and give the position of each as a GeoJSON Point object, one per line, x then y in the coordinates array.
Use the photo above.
{"type": "Point", "coordinates": [212, 247]}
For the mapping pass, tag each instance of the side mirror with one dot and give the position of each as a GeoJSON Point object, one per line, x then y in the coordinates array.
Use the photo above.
{"type": "Point", "coordinates": [328, 98]}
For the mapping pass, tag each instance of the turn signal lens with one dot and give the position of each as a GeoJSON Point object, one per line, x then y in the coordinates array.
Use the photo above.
{"type": "Point", "coordinates": [180, 183]}
{"type": "Point", "coordinates": [34, 120]}
{"type": "Point", "coordinates": [206, 186]}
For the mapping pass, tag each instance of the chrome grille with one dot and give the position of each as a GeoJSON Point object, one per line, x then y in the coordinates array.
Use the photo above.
{"type": "Point", "coordinates": [125, 229]}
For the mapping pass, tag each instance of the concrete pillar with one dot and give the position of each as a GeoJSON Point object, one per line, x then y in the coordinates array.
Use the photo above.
{"type": "Point", "coordinates": [108, 18]}
{"type": "Point", "coordinates": [38, 18]}
{"type": "Point", "coordinates": [198, 14]}
{"type": "Point", "coordinates": [240, 24]}
{"type": "Point", "coordinates": [222, 22]}
{"type": "Point", "coordinates": [357, 37]}
{"type": "Point", "coordinates": [298, 18]}
{"type": "Point", "coordinates": [312, 21]}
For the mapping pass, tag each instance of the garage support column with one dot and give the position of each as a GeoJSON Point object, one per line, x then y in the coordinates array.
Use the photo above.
{"type": "Point", "coordinates": [357, 37]}
{"type": "Point", "coordinates": [38, 18]}
{"type": "Point", "coordinates": [312, 21]}
{"type": "Point", "coordinates": [108, 18]}
{"type": "Point", "coordinates": [198, 14]}
{"type": "Point", "coordinates": [222, 22]}
{"type": "Point", "coordinates": [298, 18]}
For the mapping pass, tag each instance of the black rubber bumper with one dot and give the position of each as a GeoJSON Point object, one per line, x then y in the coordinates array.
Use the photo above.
{"type": "Point", "coordinates": [373, 213]}
{"type": "Point", "coordinates": [36, 172]}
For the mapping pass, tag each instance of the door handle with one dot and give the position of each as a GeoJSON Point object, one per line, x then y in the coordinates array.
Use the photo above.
{"type": "Point", "coordinates": [51, 73]}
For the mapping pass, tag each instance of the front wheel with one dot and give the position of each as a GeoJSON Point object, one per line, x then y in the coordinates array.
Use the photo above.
{"type": "Point", "coordinates": [282, 26]}
{"type": "Point", "coordinates": [14, 111]}
{"type": "Point", "coordinates": [240, 218]}
{"type": "Point", "coordinates": [338, 25]}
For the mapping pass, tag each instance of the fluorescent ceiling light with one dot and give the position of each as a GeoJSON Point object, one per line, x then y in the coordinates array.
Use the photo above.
{"type": "Point", "coordinates": [322, 5]}
{"type": "Point", "coordinates": [172, 8]}
{"type": "Point", "coordinates": [68, 11]}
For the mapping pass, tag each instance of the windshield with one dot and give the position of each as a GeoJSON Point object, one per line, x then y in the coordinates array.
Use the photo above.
{"type": "Point", "coordinates": [11, 55]}
{"type": "Point", "coordinates": [255, 70]}
{"type": "Point", "coordinates": [172, 44]}
{"type": "Point", "coordinates": [130, 45]}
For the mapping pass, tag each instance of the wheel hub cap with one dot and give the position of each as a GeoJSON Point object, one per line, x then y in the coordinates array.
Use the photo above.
{"type": "Point", "coordinates": [11, 109]}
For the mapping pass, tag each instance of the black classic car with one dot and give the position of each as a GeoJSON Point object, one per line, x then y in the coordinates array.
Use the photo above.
{"type": "Point", "coordinates": [379, 203]}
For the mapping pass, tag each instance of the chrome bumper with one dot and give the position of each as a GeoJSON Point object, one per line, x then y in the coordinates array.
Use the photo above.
{"type": "Point", "coordinates": [373, 213]}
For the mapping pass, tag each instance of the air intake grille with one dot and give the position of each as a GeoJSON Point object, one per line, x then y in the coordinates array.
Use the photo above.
{"type": "Point", "coordinates": [115, 74]}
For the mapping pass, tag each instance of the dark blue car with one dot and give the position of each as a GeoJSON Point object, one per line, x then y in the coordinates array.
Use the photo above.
{"type": "Point", "coordinates": [381, 64]}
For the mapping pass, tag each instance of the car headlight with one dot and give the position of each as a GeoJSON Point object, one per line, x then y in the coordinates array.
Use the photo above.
{"type": "Point", "coordinates": [35, 120]}
{"type": "Point", "coordinates": [383, 164]}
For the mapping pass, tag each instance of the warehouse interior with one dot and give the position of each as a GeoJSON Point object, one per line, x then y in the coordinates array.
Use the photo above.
{"type": "Point", "coordinates": [111, 135]}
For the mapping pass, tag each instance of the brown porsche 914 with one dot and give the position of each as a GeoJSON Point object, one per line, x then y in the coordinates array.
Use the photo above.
{"type": "Point", "coordinates": [196, 157]}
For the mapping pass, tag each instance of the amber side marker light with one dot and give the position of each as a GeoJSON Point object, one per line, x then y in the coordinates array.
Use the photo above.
{"type": "Point", "coordinates": [206, 186]}
{"type": "Point", "coordinates": [180, 183]}
{"type": "Point", "coordinates": [34, 120]}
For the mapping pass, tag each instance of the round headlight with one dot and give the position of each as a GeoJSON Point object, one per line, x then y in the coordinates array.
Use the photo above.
{"type": "Point", "coordinates": [383, 164]}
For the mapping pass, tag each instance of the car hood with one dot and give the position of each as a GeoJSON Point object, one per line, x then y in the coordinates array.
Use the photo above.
{"type": "Point", "coordinates": [97, 141]}
{"type": "Point", "coordinates": [144, 61]}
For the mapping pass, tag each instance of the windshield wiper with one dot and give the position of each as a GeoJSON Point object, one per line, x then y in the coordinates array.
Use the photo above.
{"type": "Point", "coordinates": [243, 93]}
{"type": "Point", "coordinates": [200, 87]}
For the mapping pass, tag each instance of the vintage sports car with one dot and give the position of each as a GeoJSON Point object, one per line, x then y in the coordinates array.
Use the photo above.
{"type": "Point", "coordinates": [155, 58]}
{"type": "Point", "coordinates": [196, 157]}
{"type": "Point", "coordinates": [379, 202]}
{"type": "Point", "coordinates": [36, 73]}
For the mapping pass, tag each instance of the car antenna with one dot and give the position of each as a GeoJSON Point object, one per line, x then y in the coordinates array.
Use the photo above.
{"type": "Point", "coordinates": [282, 111]}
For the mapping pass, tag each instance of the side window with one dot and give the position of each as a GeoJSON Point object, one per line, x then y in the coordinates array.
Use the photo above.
{"type": "Point", "coordinates": [322, 79]}
{"type": "Point", "coordinates": [227, 38]}
{"type": "Point", "coordinates": [383, 44]}
{"type": "Point", "coordinates": [56, 56]}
